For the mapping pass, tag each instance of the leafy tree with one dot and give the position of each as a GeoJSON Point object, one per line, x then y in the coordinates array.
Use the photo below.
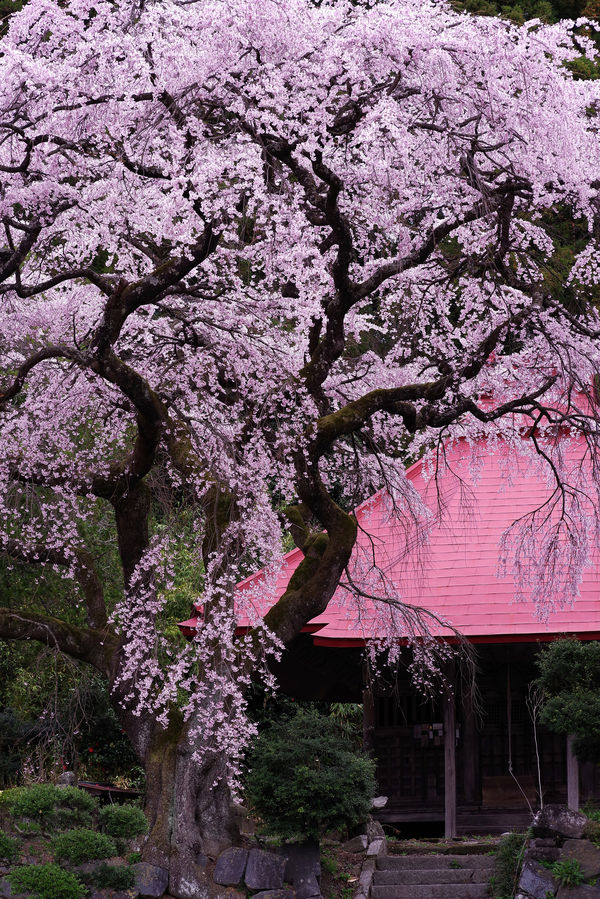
{"type": "Point", "coordinates": [570, 678]}
{"type": "Point", "coordinates": [252, 252]}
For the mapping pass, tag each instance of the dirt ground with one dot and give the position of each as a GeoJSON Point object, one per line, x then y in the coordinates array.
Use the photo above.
{"type": "Point", "coordinates": [339, 871]}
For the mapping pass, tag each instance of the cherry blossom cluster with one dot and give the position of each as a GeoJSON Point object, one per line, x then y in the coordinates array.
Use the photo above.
{"type": "Point", "coordinates": [256, 256]}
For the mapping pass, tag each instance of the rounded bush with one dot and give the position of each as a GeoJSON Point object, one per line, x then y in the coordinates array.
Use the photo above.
{"type": "Point", "coordinates": [82, 845]}
{"type": "Point", "coordinates": [46, 882]}
{"type": "Point", "coordinates": [49, 804]}
{"type": "Point", "coordinates": [123, 820]}
{"type": "Point", "coordinates": [31, 802]}
{"type": "Point", "coordinates": [306, 779]}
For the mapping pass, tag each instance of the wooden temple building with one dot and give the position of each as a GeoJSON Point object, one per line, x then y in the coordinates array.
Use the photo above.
{"type": "Point", "coordinates": [464, 762]}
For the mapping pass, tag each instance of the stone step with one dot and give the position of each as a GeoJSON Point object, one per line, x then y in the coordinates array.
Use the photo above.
{"type": "Point", "coordinates": [425, 862]}
{"type": "Point", "coordinates": [466, 874]}
{"type": "Point", "coordinates": [432, 891]}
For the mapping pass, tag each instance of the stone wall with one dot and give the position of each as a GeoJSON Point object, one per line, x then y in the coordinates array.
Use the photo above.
{"type": "Point", "coordinates": [560, 840]}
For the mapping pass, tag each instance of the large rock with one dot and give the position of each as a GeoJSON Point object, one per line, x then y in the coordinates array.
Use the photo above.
{"type": "Point", "coordinates": [302, 860]}
{"type": "Point", "coordinates": [67, 779]}
{"type": "Point", "coordinates": [189, 880]}
{"type": "Point", "coordinates": [558, 819]}
{"type": "Point", "coordinates": [264, 870]}
{"type": "Point", "coordinates": [374, 830]}
{"type": "Point", "coordinates": [544, 854]}
{"type": "Point", "coordinates": [366, 877]}
{"type": "Point", "coordinates": [376, 848]}
{"type": "Point", "coordinates": [307, 887]}
{"type": "Point", "coordinates": [230, 867]}
{"type": "Point", "coordinates": [151, 881]}
{"type": "Point", "coordinates": [585, 853]}
{"type": "Point", "coordinates": [356, 844]}
{"type": "Point", "coordinates": [536, 882]}
{"type": "Point", "coordinates": [5, 888]}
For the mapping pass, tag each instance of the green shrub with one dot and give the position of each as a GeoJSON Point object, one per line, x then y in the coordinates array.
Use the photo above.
{"type": "Point", "coordinates": [9, 848]}
{"type": "Point", "coordinates": [123, 820]}
{"type": "Point", "coordinates": [31, 802]}
{"type": "Point", "coordinates": [113, 877]}
{"type": "Point", "coordinates": [53, 806]}
{"type": "Point", "coordinates": [568, 872]}
{"type": "Point", "coordinates": [134, 857]}
{"type": "Point", "coordinates": [509, 859]}
{"type": "Point", "coordinates": [306, 779]}
{"type": "Point", "coordinates": [46, 882]}
{"type": "Point", "coordinates": [82, 845]}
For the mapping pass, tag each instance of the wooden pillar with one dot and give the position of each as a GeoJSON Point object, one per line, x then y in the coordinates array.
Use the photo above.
{"type": "Point", "coordinates": [470, 750]}
{"type": "Point", "coordinates": [450, 757]}
{"type": "Point", "coordinates": [368, 699]}
{"type": "Point", "coordinates": [572, 776]}
{"type": "Point", "coordinates": [368, 720]}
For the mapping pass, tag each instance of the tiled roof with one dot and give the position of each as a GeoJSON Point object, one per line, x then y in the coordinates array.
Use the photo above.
{"type": "Point", "coordinates": [448, 562]}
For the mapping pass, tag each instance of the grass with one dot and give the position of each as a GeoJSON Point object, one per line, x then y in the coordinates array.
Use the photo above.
{"type": "Point", "coordinates": [509, 860]}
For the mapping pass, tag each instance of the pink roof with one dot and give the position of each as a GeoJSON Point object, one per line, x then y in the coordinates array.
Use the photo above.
{"type": "Point", "coordinates": [448, 563]}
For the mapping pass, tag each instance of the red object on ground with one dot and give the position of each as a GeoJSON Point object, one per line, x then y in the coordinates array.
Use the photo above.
{"type": "Point", "coordinates": [453, 571]}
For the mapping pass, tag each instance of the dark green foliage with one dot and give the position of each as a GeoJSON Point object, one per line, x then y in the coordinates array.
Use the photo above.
{"type": "Point", "coordinates": [516, 12]}
{"type": "Point", "coordinates": [568, 872]}
{"type": "Point", "coordinates": [7, 7]}
{"type": "Point", "coordinates": [82, 845]}
{"type": "Point", "coordinates": [348, 717]}
{"type": "Point", "coordinates": [46, 882]}
{"type": "Point", "coordinates": [584, 69]}
{"type": "Point", "coordinates": [570, 235]}
{"type": "Point", "coordinates": [113, 877]}
{"type": "Point", "coordinates": [123, 820]}
{"type": "Point", "coordinates": [31, 802]}
{"type": "Point", "coordinates": [112, 753]}
{"type": "Point", "coordinates": [51, 806]}
{"type": "Point", "coordinates": [524, 10]}
{"type": "Point", "coordinates": [305, 778]}
{"type": "Point", "coordinates": [509, 859]}
{"type": "Point", "coordinates": [15, 734]}
{"type": "Point", "coordinates": [9, 848]}
{"type": "Point", "coordinates": [592, 830]}
{"type": "Point", "coordinates": [566, 665]}
{"type": "Point", "coordinates": [570, 679]}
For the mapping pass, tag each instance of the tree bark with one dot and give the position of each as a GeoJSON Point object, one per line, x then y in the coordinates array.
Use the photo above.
{"type": "Point", "coordinates": [188, 806]}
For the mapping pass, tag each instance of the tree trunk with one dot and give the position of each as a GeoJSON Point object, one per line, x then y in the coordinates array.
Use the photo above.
{"type": "Point", "coordinates": [188, 806]}
{"type": "Point", "coordinates": [188, 803]}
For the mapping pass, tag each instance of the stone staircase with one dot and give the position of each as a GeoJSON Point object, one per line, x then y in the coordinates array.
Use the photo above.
{"type": "Point", "coordinates": [432, 877]}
